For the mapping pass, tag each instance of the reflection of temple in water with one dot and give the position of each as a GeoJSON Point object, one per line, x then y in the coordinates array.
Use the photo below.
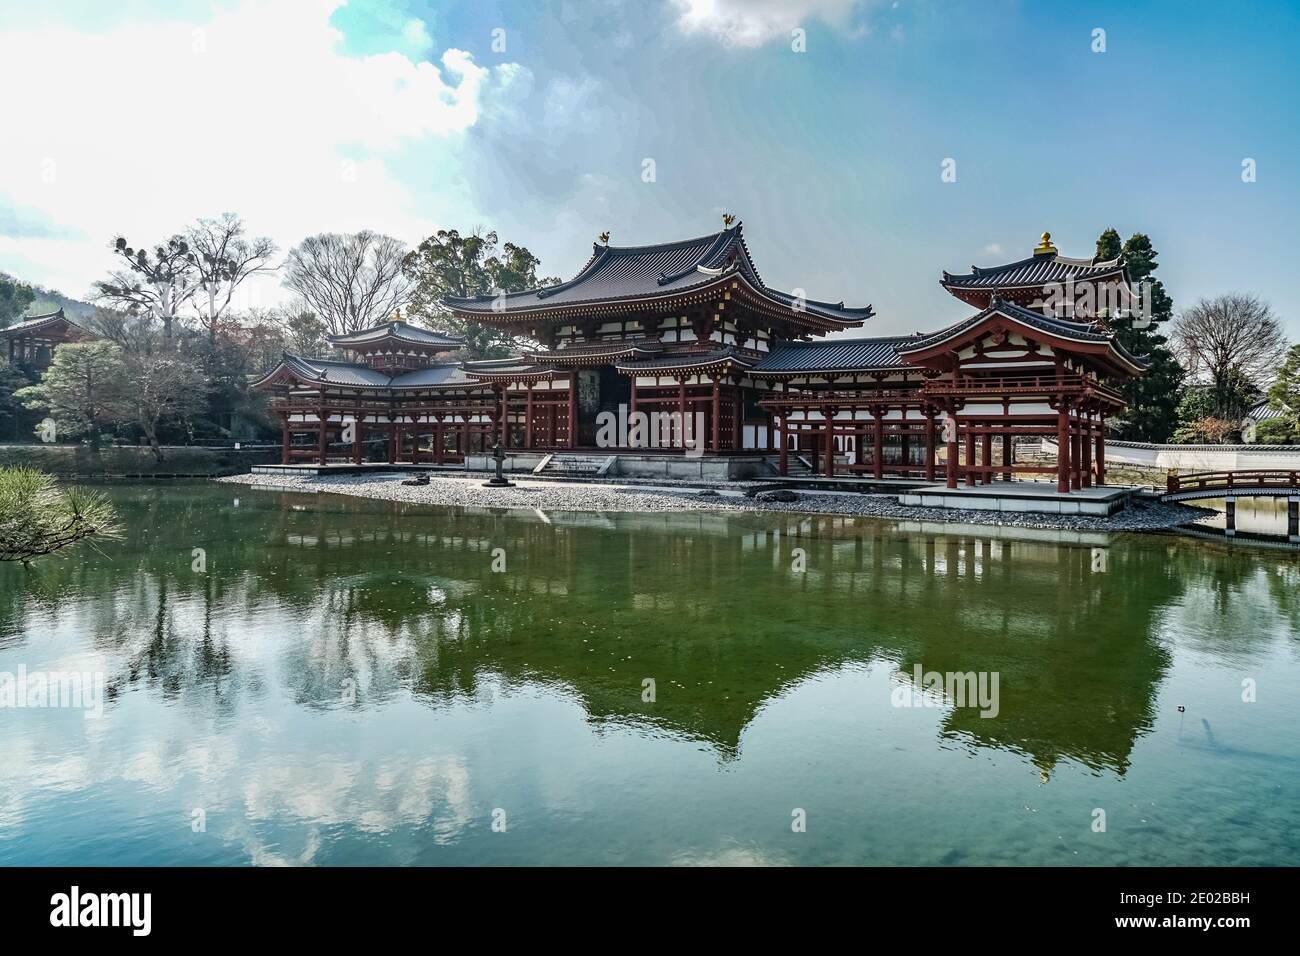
{"type": "Point", "coordinates": [403, 600]}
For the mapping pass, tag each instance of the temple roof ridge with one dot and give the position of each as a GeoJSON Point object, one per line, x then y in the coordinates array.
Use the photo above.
{"type": "Point", "coordinates": [396, 329]}
{"type": "Point", "coordinates": [630, 275]}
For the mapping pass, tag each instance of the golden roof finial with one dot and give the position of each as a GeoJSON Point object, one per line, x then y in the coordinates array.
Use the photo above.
{"type": "Point", "coordinates": [604, 237]}
{"type": "Point", "coordinates": [727, 220]}
{"type": "Point", "coordinates": [1045, 247]}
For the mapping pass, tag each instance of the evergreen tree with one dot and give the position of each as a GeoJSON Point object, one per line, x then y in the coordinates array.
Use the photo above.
{"type": "Point", "coordinates": [37, 517]}
{"type": "Point", "coordinates": [15, 297]}
{"type": "Point", "coordinates": [1152, 413]}
{"type": "Point", "coordinates": [449, 264]}
{"type": "Point", "coordinates": [79, 388]}
{"type": "Point", "coordinates": [1284, 394]}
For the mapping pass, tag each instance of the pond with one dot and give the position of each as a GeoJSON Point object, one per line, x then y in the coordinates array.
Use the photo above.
{"type": "Point", "coordinates": [311, 679]}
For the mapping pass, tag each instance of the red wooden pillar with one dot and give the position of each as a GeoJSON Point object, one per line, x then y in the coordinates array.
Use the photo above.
{"type": "Point", "coordinates": [681, 411]}
{"type": "Point", "coordinates": [929, 444]}
{"type": "Point", "coordinates": [829, 431]}
{"type": "Point", "coordinates": [1007, 463]}
{"type": "Point", "coordinates": [717, 414]}
{"type": "Point", "coordinates": [358, 446]}
{"type": "Point", "coordinates": [738, 421]}
{"type": "Point", "coordinates": [1101, 450]}
{"type": "Point", "coordinates": [503, 419]}
{"type": "Point", "coordinates": [953, 455]}
{"type": "Point", "coordinates": [437, 441]}
{"type": "Point", "coordinates": [783, 468]}
{"type": "Point", "coordinates": [392, 441]}
{"type": "Point", "coordinates": [878, 444]}
{"type": "Point", "coordinates": [815, 446]}
{"type": "Point", "coordinates": [905, 446]}
{"type": "Point", "coordinates": [284, 431]}
{"type": "Point", "coordinates": [1076, 458]}
{"type": "Point", "coordinates": [970, 457]}
{"type": "Point", "coordinates": [573, 409]}
{"type": "Point", "coordinates": [986, 456]}
{"type": "Point", "coordinates": [1063, 448]}
{"type": "Point", "coordinates": [528, 418]}
{"type": "Point", "coordinates": [1085, 442]}
{"type": "Point", "coordinates": [322, 436]}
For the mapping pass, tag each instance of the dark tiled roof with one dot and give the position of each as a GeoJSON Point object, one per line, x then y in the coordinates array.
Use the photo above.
{"type": "Point", "coordinates": [616, 273]}
{"type": "Point", "coordinates": [498, 364]}
{"type": "Point", "coordinates": [1080, 331]}
{"type": "Point", "coordinates": [336, 373]}
{"type": "Point", "coordinates": [728, 354]}
{"type": "Point", "coordinates": [433, 375]}
{"type": "Point", "coordinates": [845, 355]}
{"type": "Point", "coordinates": [1264, 411]}
{"type": "Point", "coordinates": [613, 347]}
{"type": "Point", "coordinates": [1064, 328]}
{"type": "Point", "coordinates": [518, 365]}
{"type": "Point", "coordinates": [1037, 270]}
{"type": "Point", "coordinates": [34, 323]}
{"type": "Point", "coordinates": [354, 375]}
{"type": "Point", "coordinates": [399, 331]}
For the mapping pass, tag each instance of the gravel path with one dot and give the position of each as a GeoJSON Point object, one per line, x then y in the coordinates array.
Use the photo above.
{"type": "Point", "coordinates": [1142, 515]}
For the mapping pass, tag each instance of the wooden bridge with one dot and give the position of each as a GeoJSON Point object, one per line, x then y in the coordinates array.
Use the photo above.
{"type": "Point", "coordinates": [1241, 484]}
{"type": "Point", "coordinates": [1231, 485]}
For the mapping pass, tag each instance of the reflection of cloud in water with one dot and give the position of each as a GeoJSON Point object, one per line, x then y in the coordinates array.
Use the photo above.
{"type": "Point", "coordinates": [373, 798]}
{"type": "Point", "coordinates": [260, 854]}
{"type": "Point", "coordinates": [730, 856]}
{"type": "Point", "coordinates": [274, 787]}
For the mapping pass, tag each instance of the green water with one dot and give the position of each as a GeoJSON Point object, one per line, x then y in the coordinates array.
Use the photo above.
{"type": "Point", "coordinates": [351, 682]}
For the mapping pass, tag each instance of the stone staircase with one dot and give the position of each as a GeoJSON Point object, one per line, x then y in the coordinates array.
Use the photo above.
{"type": "Point", "coordinates": [798, 466]}
{"type": "Point", "coordinates": [577, 466]}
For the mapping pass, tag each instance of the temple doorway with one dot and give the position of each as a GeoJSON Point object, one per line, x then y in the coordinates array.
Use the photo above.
{"type": "Point", "coordinates": [600, 389]}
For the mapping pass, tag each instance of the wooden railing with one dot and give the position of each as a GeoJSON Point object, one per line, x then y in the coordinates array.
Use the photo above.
{"type": "Point", "coordinates": [1231, 480]}
{"type": "Point", "coordinates": [1018, 385]}
{"type": "Point", "coordinates": [841, 398]}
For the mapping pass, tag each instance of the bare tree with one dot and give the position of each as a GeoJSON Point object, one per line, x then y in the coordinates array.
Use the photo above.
{"type": "Point", "coordinates": [131, 331]}
{"type": "Point", "coordinates": [350, 281]}
{"type": "Point", "coordinates": [158, 387]}
{"type": "Point", "coordinates": [223, 258]}
{"type": "Point", "coordinates": [159, 286]}
{"type": "Point", "coordinates": [1228, 336]}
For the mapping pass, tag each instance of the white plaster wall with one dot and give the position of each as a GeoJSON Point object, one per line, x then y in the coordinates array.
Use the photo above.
{"type": "Point", "coordinates": [1199, 457]}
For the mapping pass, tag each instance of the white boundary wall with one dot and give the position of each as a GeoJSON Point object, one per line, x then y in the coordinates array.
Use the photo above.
{"type": "Point", "coordinates": [1199, 457]}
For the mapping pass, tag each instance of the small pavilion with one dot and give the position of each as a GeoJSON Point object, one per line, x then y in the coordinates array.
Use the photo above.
{"type": "Point", "coordinates": [31, 342]}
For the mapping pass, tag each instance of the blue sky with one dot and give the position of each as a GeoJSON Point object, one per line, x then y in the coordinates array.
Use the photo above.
{"type": "Point", "coordinates": [403, 117]}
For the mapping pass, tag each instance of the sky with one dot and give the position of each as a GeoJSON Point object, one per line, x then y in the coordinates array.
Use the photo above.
{"type": "Point", "coordinates": [826, 126]}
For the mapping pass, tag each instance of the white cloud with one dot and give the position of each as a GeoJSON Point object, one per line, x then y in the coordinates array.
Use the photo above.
{"type": "Point", "coordinates": [416, 34]}
{"type": "Point", "coordinates": [253, 109]}
{"type": "Point", "coordinates": [569, 100]}
{"type": "Point", "coordinates": [993, 249]}
{"type": "Point", "coordinates": [751, 23]}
